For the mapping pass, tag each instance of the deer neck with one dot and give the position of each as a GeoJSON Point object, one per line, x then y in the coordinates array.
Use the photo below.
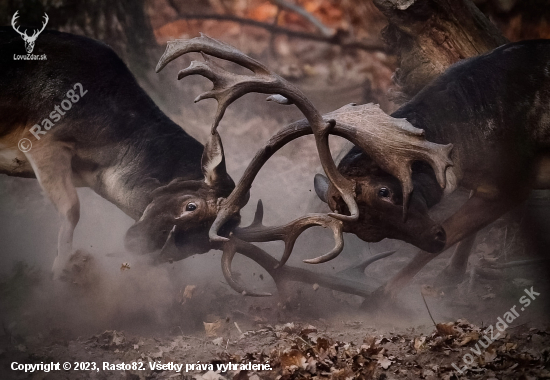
{"type": "Point", "coordinates": [158, 152]}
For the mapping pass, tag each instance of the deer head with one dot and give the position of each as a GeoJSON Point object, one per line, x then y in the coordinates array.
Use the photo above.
{"type": "Point", "coordinates": [178, 217]}
{"type": "Point", "coordinates": [29, 40]}
{"type": "Point", "coordinates": [380, 200]}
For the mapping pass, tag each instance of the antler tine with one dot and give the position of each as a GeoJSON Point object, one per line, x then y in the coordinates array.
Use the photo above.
{"type": "Point", "coordinates": [290, 232]}
{"type": "Point", "coordinates": [212, 47]}
{"type": "Point", "coordinates": [16, 28]}
{"type": "Point", "coordinates": [227, 87]}
{"type": "Point", "coordinates": [229, 250]}
{"type": "Point", "coordinates": [368, 127]}
{"type": "Point", "coordinates": [359, 269]}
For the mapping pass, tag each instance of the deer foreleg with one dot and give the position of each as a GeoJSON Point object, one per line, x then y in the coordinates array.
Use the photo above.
{"type": "Point", "coordinates": [52, 166]}
{"type": "Point", "coordinates": [476, 213]}
{"type": "Point", "coordinates": [455, 271]}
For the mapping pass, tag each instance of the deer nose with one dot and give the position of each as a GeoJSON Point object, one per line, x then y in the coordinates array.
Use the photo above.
{"type": "Point", "coordinates": [439, 234]}
{"type": "Point", "coordinates": [434, 239]}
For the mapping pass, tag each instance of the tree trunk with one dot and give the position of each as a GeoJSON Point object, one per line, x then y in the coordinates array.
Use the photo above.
{"type": "Point", "coordinates": [430, 35]}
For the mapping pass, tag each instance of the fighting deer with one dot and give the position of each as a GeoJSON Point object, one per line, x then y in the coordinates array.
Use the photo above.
{"type": "Point", "coordinates": [115, 140]}
{"type": "Point", "coordinates": [499, 150]}
{"type": "Point", "coordinates": [495, 109]}
{"type": "Point", "coordinates": [29, 40]}
{"type": "Point", "coordinates": [366, 126]}
{"type": "Point", "coordinates": [112, 138]}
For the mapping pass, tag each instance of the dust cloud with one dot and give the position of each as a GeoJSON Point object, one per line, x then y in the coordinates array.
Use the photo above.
{"type": "Point", "coordinates": [101, 292]}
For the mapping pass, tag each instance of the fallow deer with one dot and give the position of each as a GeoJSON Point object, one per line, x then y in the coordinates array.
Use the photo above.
{"type": "Point", "coordinates": [495, 110]}
{"type": "Point", "coordinates": [114, 140]}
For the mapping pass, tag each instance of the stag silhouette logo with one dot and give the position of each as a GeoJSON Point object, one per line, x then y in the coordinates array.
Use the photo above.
{"type": "Point", "coordinates": [29, 40]}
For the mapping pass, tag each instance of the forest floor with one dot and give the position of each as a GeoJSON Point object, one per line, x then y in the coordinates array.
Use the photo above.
{"type": "Point", "coordinates": [493, 325]}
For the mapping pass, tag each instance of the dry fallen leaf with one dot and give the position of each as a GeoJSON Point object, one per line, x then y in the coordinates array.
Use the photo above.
{"type": "Point", "coordinates": [510, 346]}
{"type": "Point", "coordinates": [322, 344]}
{"type": "Point", "coordinates": [446, 329]}
{"type": "Point", "coordinates": [211, 329]}
{"type": "Point", "coordinates": [469, 337]}
{"type": "Point", "coordinates": [293, 358]}
{"type": "Point", "coordinates": [259, 320]}
{"type": "Point", "coordinates": [124, 266]}
{"type": "Point", "coordinates": [490, 354]}
{"type": "Point", "coordinates": [112, 338]}
{"type": "Point", "coordinates": [188, 293]}
{"type": "Point", "coordinates": [384, 362]}
{"type": "Point", "coordinates": [419, 343]}
{"type": "Point", "coordinates": [308, 330]}
{"type": "Point", "coordinates": [288, 327]}
{"type": "Point", "coordinates": [429, 291]}
{"type": "Point", "coordinates": [211, 375]}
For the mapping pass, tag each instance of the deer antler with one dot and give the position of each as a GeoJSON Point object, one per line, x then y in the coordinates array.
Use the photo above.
{"type": "Point", "coordinates": [289, 233]}
{"type": "Point", "coordinates": [228, 87]}
{"type": "Point", "coordinates": [285, 273]}
{"type": "Point", "coordinates": [16, 28]}
{"type": "Point", "coordinates": [394, 144]}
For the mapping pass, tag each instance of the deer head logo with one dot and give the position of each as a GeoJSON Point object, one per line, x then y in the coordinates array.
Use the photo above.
{"type": "Point", "coordinates": [29, 40]}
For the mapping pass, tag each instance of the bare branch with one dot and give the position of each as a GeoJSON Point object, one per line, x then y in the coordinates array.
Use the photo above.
{"type": "Point", "coordinates": [335, 39]}
{"type": "Point", "coordinates": [325, 31]}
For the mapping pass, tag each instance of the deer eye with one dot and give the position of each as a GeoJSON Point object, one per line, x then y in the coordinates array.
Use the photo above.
{"type": "Point", "coordinates": [191, 206]}
{"type": "Point", "coordinates": [384, 192]}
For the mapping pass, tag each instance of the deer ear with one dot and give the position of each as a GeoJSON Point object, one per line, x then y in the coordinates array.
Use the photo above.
{"type": "Point", "coordinates": [213, 164]}
{"type": "Point", "coordinates": [321, 187]}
